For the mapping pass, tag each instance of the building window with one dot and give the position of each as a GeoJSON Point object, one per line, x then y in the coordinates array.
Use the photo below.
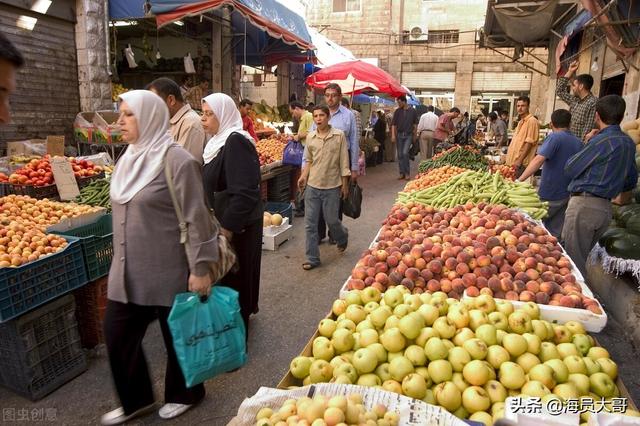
{"type": "Point", "coordinates": [432, 37]}
{"type": "Point", "coordinates": [346, 5]}
{"type": "Point", "coordinates": [443, 36]}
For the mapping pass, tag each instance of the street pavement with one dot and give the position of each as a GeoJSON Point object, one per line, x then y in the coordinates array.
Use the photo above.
{"type": "Point", "coordinates": [292, 302]}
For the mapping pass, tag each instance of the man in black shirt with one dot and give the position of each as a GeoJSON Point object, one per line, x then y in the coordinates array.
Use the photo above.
{"type": "Point", "coordinates": [403, 134]}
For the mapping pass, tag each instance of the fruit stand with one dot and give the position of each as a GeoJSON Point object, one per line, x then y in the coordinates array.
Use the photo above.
{"type": "Point", "coordinates": [54, 257]}
{"type": "Point", "coordinates": [465, 301]}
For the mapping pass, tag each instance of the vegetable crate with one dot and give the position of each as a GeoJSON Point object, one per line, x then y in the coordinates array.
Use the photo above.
{"type": "Point", "coordinates": [29, 286]}
{"type": "Point", "coordinates": [84, 181]}
{"type": "Point", "coordinates": [41, 351]}
{"type": "Point", "coordinates": [278, 188]}
{"type": "Point", "coordinates": [39, 192]}
{"type": "Point", "coordinates": [96, 240]}
{"type": "Point", "coordinates": [91, 303]}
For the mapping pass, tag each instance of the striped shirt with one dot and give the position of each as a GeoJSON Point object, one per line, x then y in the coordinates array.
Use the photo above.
{"type": "Point", "coordinates": [583, 111]}
{"type": "Point", "coordinates": [605, 166]}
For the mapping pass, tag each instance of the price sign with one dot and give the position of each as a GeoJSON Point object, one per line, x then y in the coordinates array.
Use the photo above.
{"type": "Point", "coordinates": [65, 179]}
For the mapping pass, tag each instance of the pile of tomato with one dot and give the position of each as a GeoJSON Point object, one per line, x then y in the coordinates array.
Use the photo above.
{"type": "Point", "coordinates": [38, 172]}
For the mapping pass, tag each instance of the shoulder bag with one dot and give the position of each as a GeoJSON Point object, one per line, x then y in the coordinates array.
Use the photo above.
{"type": "Point", "coordinates": [226, 256]}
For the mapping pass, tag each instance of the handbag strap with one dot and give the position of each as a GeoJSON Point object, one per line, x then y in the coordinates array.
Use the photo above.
{"type": "Point", "coordinates": [182, 224]}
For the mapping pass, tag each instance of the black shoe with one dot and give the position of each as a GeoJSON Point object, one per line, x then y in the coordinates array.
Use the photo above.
{"type": "Point", "coordinates": [298, 213]}
{"type": "Point", "coordinates": [343, 247]}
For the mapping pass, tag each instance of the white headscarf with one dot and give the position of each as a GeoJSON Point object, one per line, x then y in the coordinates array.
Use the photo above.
{"type": "Point", "coordinates": [230, 121]}
{"type": "Point", "coordinates": [144, 159]}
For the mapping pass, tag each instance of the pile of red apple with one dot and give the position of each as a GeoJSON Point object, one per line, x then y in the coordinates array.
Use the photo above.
{"type": "Point", "coordinates": [39, 173]}
{"type": "Point", "coordinates": [472, 249]}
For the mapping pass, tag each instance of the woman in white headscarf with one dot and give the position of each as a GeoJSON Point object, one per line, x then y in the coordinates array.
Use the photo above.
{"type": "Point", "coordinates": [232, 183]}
{"type": "Point", "coordinates": [150, 265]}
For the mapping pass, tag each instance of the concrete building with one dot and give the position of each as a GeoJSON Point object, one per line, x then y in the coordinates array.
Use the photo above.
{"type": "Point", "coordinates": [432, 47]}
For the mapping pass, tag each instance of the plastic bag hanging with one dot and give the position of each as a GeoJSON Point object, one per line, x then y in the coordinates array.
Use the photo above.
{"type": "Point", "coordinates": [189, 68]}
{"type": "Point", "coordinates": [131, 60]}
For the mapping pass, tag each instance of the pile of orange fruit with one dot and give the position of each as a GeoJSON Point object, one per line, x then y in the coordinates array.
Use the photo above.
{"type": "Point", "coordinates": [433, 177]}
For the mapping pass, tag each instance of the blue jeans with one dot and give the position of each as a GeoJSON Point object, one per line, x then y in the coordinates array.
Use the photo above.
{"type": "Point", "coordinates": [403, 142]}
{"type": "Point", "coordinates": [326, 202]}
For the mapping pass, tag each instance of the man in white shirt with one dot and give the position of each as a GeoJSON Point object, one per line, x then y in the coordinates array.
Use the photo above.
{"type": "Point", "coordinates": [426, 127]}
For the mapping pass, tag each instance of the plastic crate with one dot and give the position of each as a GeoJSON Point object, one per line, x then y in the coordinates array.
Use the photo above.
{"type": "Point", "coordinates": [96, 240]}
{"type": "Point", "coordinates": [279, 184]}
{"type": "Point", "coordinates": [41, 351]}
{"type": "Point", "coordinates": [263, 191]}
{"type": "Point", "coordinates": [39, 192]}
{"type": "Point", "coordinates": [27, 287]}
{"type": "Point", "coordinates": [283, 209]}
{"type": "Point", "coordinates": [84, 181]}
{"type": "Point", "coordinates": [91, 303]}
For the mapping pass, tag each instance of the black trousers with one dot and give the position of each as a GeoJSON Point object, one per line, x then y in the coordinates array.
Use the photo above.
{"type": "Point", "coordinates": [125, 325]}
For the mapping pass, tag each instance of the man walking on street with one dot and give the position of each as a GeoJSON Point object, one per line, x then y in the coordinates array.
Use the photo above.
{"type": "Point", "coordinates": [403, 133]}
{"type": "Point", "coordinates": [582, 103]}
{"type": "Point", "coordinates": [341, 118]}
{"type": "Point", "coordinates": [305, 120]}
{"type": "Point", "coordinates": [186, 128]}
{"type": "Point", "coordinates": [10, 61]}
{"type": "Point", "coordinates": [525, 139]}
{"type": "Point", "coordinates": [552, 156]}
{"type": "Point", "coordinates": [445, 126]}
{"type": "Point", "coordinates": [426, 128]}
{"type": "Point", "coordinates": [325, 181]}
{"type": "Point", "coordinates": [247, 123]}
{"type": "Point", "coordinates": [604, 168]}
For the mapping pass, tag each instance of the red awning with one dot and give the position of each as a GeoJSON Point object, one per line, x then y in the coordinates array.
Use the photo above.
{"type": "Point", "coordinates": [355, 77]}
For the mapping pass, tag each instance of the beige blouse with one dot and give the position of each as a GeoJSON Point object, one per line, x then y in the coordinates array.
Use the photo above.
{"type": "Point", "coordinates": [150, 265]}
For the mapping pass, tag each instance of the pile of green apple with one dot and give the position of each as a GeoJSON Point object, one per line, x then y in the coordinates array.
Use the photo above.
{"type": "Point", "coordinates": [327, 411]}
{"type": "Point", "coordinates": [472, 249]}
{"type": "Point", "coordinates": [467, 356]}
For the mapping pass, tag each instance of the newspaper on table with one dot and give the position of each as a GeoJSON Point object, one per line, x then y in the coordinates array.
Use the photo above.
{"type": "Point", "coordinates": [411, 411]}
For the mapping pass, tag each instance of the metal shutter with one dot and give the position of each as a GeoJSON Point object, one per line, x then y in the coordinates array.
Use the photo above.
{"type": "Point", "coordinates": [429, 80]}
{"type": "Point", "coordinates": [501, 82]}
{"type": "Point", "coordinates": [47, 96]}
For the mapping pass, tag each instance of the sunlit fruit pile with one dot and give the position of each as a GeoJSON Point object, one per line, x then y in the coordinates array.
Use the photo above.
{"type": "Point", "coordinates": [327, 411]}
{"type": "Point", "coordinates": [270, 150]}
{"type": "Point", "coordinates": [508, 172]}
{"type": "Point", "coordinates": [433, 177]}
{"type": "Point", "coordinates": [475, 249]}
{"type": "Point", "coordinates": [466, 356]}
{"type": "Point", "coordinates": [20, 244]}
{"type": "Point", "coordinates": [39, 173]}
{"type": "Point", "coordinates": [31, 212]}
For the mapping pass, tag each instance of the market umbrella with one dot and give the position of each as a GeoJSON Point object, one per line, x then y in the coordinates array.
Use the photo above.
{"type": "Point", "coordinates": [355, 77]}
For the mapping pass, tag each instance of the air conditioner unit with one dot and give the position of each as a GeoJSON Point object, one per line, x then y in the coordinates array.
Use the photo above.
{"type": "Point", "coordinates": [418, 34]}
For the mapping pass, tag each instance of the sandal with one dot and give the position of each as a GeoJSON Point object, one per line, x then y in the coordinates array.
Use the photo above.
{"type": "Point", "coordinates": [309, 266]}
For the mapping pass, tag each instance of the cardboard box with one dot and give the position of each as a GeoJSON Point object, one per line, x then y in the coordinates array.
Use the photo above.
{"type": "Point", "coordinates": [106, 130]}
{"type": "Point", "coordinates": [53, 145]}
{"type": "Point", "coordinates": [272, 239]}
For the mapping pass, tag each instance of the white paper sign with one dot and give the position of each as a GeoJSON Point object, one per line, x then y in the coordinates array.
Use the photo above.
{"type": "Point", "coordinates": [65, 179]}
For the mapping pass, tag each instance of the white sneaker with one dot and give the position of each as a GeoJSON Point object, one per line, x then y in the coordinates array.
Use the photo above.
{"type": "Point", "coordinates": [117, 416]}
{"type": "Point", "coordinates": [170, 410]}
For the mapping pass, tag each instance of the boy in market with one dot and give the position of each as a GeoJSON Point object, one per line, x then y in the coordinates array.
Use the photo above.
{"type": "Point", "coordinates": [325, 180]}
{"type": "Point", "coordinates": [552, 156]}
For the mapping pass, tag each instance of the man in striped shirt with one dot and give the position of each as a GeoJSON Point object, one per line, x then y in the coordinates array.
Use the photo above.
{"type": "Point", "coordinates": [582, 103]}
{"type": "Point", "coordinates": [604, 168]}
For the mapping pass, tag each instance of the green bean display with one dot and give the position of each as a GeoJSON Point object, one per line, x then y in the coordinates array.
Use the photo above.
{"type": "Point", "coordinates": [456, 156]}
{"type": "Point", "coordinates": [479, 186]}
{"type": "Point", "coordinates": [96, 194]}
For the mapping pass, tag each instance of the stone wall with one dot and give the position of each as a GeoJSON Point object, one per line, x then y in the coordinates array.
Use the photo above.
{"type": "Point", "coordinates": [91, 43]}
{"type": "Point", "coordinates": [375, 32]}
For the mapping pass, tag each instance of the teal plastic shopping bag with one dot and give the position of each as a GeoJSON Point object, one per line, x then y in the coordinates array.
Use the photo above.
{"type": "Point", "coordinates": [208, 336]}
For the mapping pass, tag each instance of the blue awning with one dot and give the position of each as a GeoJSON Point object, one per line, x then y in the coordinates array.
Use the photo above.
{"type": "Point", "coordinates": [126, 9]}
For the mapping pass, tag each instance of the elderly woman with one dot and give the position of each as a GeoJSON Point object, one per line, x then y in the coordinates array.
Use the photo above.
{"type": "Point", "coordinates": [150, 265]}
{"type": "Point", "coordinates": [232, 183]}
